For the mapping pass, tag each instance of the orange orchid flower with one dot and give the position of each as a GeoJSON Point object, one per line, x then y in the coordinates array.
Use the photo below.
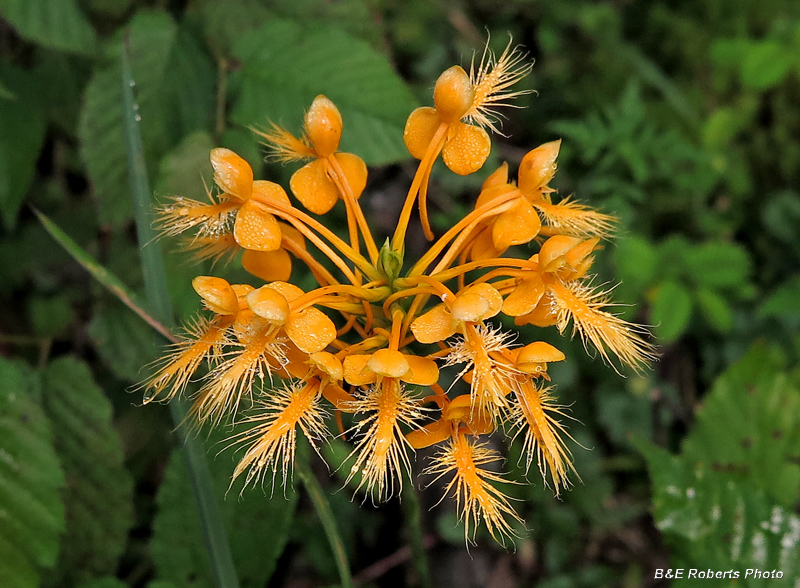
{"type": "Point", "coordinates": [370, 337]}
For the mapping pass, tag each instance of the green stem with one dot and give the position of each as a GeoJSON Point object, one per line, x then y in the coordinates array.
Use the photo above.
{"type": "Point", "coordinates": [416, 535]}
{"type": "Point", "coordinates": [322, 506]}
{"type": "Point", "coordinates": [158, 299]}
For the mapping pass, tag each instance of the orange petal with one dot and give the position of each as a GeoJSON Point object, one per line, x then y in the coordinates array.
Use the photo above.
{"type": "Point", "coordinates": [524, 298]}
{"type": "Point", "coordinates": [544, 315]}
{"type": "Point", "coordinates": [311, 330]}
{"type": "Point", "coordinates": [323, 125]}
{"type": "Point", "coordinates": [466, 148]}
{"type": "Point", "coordinates": [453, 94]}
{"type": "Point", "coordinates": [388, 363]}
{"type": "Point", "coordinates": [551, 254]}
{"type": "Point", "coordinates": [356, 371]}
{"type": "Point", "coordinates": [355, 170]}
{"type": "Point", "coordinates": [268, 265]}
{"type": "Point", "coordinates": [269, 304]}
{"type": "Point", "coordinates": [270, 192]}
{"type": "Point", "coordinates": [499, 177]}
{"type": "Point", "coordinates": [328, 364]}
{"type": "Point", "coordinates": [483, 246]}
{"type": "Point", "coordinates": [423, 372]}
{"type": "Point", "coordinates": [435, 325]}
{"type": "Point", "coordinates": [430, 434]}
{"type": "Point", "coordinates": [516, 226]}
{"type": "Point", "coordinates": [338, 397]}
{"type": "Point", "coordinates": [534, 357]}
{"type": "Point", "coordinates": [255, 228]}
{"type": "Point", "coordinates": [312, 186]}
{"type": "Point", "coordinates": [232, 173]}
{"type": "Point", "coordinates": [289, 291]}
{"type": "Point", "coordinates": [538, 167]}
{"type": "Point", "coordinates": [477, 303]}
{"type": "Point", "coordinates": [420, 128]}
{"type": "Point", "coordinates": [289, 233]}
{"type": "Point", "coordinates": [217, 294]}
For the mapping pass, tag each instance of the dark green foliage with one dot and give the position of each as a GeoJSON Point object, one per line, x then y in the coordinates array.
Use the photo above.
{"type": "Point", "coordinates": [98, 502]}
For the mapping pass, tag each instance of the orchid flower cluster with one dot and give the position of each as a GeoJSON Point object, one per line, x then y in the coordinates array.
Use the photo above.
{"type": "Point", "coordinates": [369, 341]}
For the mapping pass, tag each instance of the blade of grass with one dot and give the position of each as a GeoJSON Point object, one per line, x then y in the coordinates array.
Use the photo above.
{"type": "Point", "coordinates": [156, 290]}
{"type": "Point", "coordinates": [102, 275]}
{"type": "Point", "coordinates": [324, 512]}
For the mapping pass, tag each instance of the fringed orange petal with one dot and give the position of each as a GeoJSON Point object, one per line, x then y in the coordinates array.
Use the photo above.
{"type": "Point", "coordinates": [256, 228]}
{"type": "Point", "coordinates": [466, 148]}
{"type": "Point", "coordinates": [312, 186]}
{"type": "Point", "coordinates": [420, 128]}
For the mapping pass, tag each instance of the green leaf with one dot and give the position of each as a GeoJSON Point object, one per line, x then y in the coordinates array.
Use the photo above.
{"type": "Point", "coordinates": [30, 481]}
{"type": "Point", "coordinates": [175, 94]}
{"type": "Point", "coordinates": [57, 24]}
{"type": "Point", "coordinates": [20, 143]}
{"type": "Point", "coordinates": [671, 311]}
{"type": "Point", "coordinates": [765, 65]}
{"type": "Point", "coordinates": [186, 170]}
{"type": "Point", "coordinates": [749, 427]}
{"type": "Point", "coordinates": [108, 582]}
{"type": "Point", "coordinates": [123, 341]}
{"type": "Point", "coordinates": [784, 303]}
{"type": "Point", "coordinates": [713, 523]}
{"type": "Point", "coordinates": [636, 261]}
{"type": "Point", "coordinates": [716, 309]}
{"type": "Point", "coordinates": [99, 501]}
{"type": "Point", "coordinates": [257, 523]}
{"type": "Point", "coordinates": [285, 65]}
{"type": "Point", "coordinates": [50, 315]}
{"type": "Point", "coordinates": [718, 265]}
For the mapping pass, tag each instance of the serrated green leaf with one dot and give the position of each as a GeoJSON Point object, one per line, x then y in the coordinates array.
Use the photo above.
{"type": "Point", "coordinates": [57, 24]}
{"type": "Point", "coordinates": [715, 309]}
{"type": "Point", "coordinates": [765, 65]}
{"type": "Point", "coordinates": [718, 265]}
{"type": "Point", "coordinates": [749, 426]}
{"type": "Point", "coordinates": [100, 490]}
{"type": "Point", "coordinates": [30, 481]}
{"type": "Point", "coordinates": [671, 311]}
{"type": "Point", "coordinates": [714, 523]}
{"type": "Point", "coordinates": [285, 65]}
{"type": "Point", "coordinates": [123, 341]}
{"type": "Point", "coordinates": [175, 94]}
{"type": "Point", "coordinates": [20, 143]}
{"type": "Point", "coordinates": [257, 524]}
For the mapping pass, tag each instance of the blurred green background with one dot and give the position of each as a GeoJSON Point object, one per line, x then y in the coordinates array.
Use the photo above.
{"type": "Point", "coordinates": [682, 117]}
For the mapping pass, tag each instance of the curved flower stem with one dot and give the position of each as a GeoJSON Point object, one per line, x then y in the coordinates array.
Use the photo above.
{"type": "Point", "coordinates": [467, 224]}
{"type": "Point", "coordinates": [324, 512]}
{"type": "Point", "coordinates": [340, 179]}
{"type": "Point", "coordinates": [435, 147]}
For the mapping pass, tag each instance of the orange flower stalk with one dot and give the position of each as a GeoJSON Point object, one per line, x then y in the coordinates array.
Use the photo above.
{"type": "Point", "coordinates": [364, 347]}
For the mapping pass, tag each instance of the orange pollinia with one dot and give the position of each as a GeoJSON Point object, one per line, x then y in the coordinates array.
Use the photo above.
{"type": "Point", "coordinates": [361, 352]}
